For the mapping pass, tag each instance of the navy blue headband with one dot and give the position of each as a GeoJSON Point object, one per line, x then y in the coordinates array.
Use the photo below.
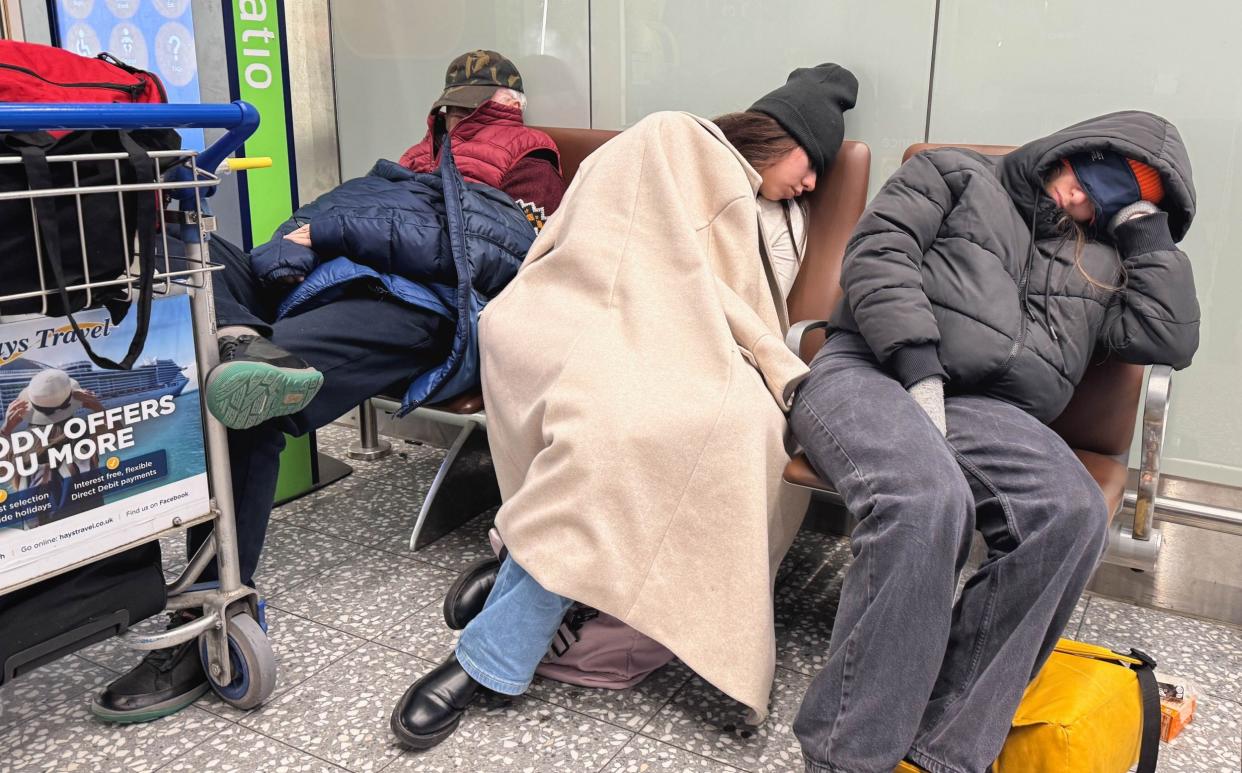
{"type": "Point", "coordinates": [1107, 178]}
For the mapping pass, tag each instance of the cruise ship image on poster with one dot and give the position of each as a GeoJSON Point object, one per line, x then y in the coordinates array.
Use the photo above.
{"type": "Point", "coordinates": [148, 380]}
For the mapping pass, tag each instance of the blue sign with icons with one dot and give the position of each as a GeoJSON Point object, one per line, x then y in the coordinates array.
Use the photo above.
{"type": "Point", "coordinates": [153, 35]}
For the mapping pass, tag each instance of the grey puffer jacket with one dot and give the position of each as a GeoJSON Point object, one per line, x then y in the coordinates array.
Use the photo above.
{"type": "Point", "coordinates": [958, 268]}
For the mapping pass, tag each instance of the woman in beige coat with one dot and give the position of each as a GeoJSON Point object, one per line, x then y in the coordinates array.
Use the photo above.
{"type": "Point", "coordinates": [636, 382]}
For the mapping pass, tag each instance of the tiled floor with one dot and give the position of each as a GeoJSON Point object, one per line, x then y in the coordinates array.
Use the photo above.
{"type": "Point", "coordinates": [355, 618]}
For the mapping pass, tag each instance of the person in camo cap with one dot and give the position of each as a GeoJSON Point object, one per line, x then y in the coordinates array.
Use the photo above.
{"type": "Point", "coordinates": [480, 113]}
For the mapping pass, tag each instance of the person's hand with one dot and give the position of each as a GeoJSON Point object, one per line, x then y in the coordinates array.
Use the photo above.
{"type": "Point", "coordinates": [929, 394]}
{"type": "Point", "coordinates": [301, 235]}
{"type": "Point", "coordinates": [17, 410]}
{"type": "Point", "coordinates": [1135, 210]}
{"type": "Point", "coordinates": [88, 399]}
{"type": "Point", "coordinates": [291, 280]}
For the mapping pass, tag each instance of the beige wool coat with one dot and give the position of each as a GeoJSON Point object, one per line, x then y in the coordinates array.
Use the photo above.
{"type": "Point", "coordinates": [636, 383]}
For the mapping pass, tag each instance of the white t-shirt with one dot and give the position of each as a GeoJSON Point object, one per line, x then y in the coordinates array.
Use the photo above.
{"type": "Point", "coordinates": [785, 249]}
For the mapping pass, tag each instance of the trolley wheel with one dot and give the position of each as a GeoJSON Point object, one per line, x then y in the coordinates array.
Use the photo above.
{"type": "Point", "coordinates": [253, 664]}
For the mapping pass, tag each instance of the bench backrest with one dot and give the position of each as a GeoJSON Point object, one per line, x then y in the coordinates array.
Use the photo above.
{"type": "Point", "coordinates": [575, 145]}
{"type": "Point", "coordinates": [835, 206]}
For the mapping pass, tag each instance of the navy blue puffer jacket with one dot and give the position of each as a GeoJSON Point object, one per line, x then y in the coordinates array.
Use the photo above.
{"type": "Point", "coordinates": [433, 241]}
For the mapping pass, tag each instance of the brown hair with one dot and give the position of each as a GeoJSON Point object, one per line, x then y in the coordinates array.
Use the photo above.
{"type": "Point", "coordinates": [1073, 228]}
{"type": "Point", "coordinates": [757, 136]}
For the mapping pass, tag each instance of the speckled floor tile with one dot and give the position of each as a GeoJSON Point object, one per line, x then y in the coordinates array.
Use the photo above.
{"type": "Point", "coordinates": [629, 709]}
{"type": "Point", "coordinates": [455, 550]}
{"type": "Point", "coordinates": [815, 564]}
{"type": "Point", "coordinates": [303, 648]}
{"type": "Point", "coordinates": [334, 440]}
{"type": "Point", "coordinates": [68, 738]}
{"type": "Point", "coordinates": [341, 715]}
{"type": "Point", "coordinates": [647, 755]}
{"type": "Point", "coordinates": [1075, 622]}
{"type": "Point", "coordinates": [314, 497]}
{"type": "Point", "coordinates": [367, 595]}
{"type": "Point", "coordinates": [1212, 743]}
{"type": "Point", "coordinates": [703, 720]}
{"type": "Point", "coordinates": [38, 691]}
{"type": "Point", "coordinates": [422, 634]}
{"type": "Point", "coordinates": [238, 750]}
{"type": "Point", "coordinates": [803, 630]}
{"type": "Point", "coordinates": [172, 554]}
{"type": "Point", "coordinates": [808, 587]}
{"type": "Point", "coordinates": [292, 555]}
{"type": "Point", "coordinates": [408, 464]}
{"type": "Point", "coordinates": [1208, 653]}
{"type": "Point", "coordinates": [501, 735]}
{"type": "Point", "coordinates": [360, 510]}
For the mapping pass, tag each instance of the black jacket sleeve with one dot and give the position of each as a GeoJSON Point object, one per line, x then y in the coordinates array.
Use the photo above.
{"type": "Point", "coordinates": [882, 270]}
{"type": "Point", "coordinates": [1154, 318]}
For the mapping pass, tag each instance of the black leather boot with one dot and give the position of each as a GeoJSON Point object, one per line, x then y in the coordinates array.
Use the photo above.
{"type": "Point", "coordinates": [165, 682]}
{"type": "Point", "coordinates": [469, 592]}
{"type": "Point", "coordinates": [431, 709]}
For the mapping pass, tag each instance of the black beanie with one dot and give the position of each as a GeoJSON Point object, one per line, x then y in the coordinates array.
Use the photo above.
{"type": "Point", "coordinates": [810, 107]}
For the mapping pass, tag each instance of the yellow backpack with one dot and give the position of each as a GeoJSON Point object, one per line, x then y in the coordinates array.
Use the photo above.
{"type": "Point", "coordinates": [1088, 710]}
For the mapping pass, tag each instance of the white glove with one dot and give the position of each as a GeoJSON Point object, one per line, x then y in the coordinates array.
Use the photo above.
{"type": "Point", "coordinates": [1137, 209]}
{"type": "Point", "coordinates": [929, 394]}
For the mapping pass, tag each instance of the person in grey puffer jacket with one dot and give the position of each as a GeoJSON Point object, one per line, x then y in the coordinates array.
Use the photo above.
{"type": "Point", "coordinates": [977, 291]}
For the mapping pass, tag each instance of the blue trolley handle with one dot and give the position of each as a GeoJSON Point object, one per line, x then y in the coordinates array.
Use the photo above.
{"type": "Point", "coordinates": [240, 118]}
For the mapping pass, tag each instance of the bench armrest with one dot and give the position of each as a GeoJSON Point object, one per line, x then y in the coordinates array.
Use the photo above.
{"type": "Point", "coordinates": [798, 330]}
{"type": "Point", "coordinates": [1155, 416]}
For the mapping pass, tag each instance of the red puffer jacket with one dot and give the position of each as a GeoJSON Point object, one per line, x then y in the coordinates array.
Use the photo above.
{"type": "Point", "coordinates": [486, 144]}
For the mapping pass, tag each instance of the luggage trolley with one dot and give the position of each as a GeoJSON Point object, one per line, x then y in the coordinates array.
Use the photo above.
{"type": "Point", "coordinates": [238, 657]}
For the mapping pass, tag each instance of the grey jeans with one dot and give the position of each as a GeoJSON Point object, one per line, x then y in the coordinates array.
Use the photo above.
{"type": "Point", "coordinates": [910, 674]}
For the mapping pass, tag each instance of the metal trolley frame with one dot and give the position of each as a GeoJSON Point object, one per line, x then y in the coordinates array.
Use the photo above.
{"type": "Point", "coordinates": [239, 659]}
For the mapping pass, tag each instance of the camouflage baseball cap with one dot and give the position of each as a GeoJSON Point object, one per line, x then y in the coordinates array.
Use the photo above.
{"type": "Point", "coordinates": [473, 78]}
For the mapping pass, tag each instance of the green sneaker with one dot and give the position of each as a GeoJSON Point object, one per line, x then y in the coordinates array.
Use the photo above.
{"type": "Point", "coordinates": [256, 380]}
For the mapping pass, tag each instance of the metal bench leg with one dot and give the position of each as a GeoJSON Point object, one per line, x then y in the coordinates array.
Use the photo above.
{"type": "Point", "coordinates": [464, 486]}
{"type": "Point", "coordinates": [1138, 546]}
{"type": "Point", "coordinates": [369, 446]}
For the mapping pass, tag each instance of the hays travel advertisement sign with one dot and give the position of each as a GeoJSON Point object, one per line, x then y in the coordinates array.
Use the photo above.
{"type": "Point", "coordinates": [92, 459]}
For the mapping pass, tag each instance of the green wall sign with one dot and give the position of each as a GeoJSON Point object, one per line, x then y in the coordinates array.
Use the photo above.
{"type": "Point", "coordinates": [259, 78]}
{"type": "Point", "coordinates": [257, 69]}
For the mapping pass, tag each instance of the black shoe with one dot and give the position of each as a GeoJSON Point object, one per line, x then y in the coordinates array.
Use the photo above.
{"type": "Point", "coordinates": [257, 380]}
{"type": "Point", "coordinates": [469, 592]}
{"type": "Point", "coordinates": [165, 682]}
{"type": "Point", "coordinates": [431, 709]}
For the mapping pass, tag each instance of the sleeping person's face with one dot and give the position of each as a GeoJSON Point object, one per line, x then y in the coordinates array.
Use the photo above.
{"type": "Point", "coordinates": [788, 177]}
{"type": "Point", "coordinates": [1063, 187]}
{"type": "Point", "coordinates": [454, 115]}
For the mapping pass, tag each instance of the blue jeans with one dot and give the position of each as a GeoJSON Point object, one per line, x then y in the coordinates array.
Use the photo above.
{"type": "Point", "coordinates": [362, 342]}
{"type": "Point", "coordinates": [909, 672]}
{"type": "Point", "coordinates": [503, 645]}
